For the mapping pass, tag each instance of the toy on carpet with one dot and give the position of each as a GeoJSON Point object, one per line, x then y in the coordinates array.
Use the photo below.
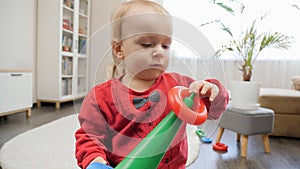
{"type": "Point", "coordinates": [206, 140]}
{"type": "Point", "coordinates": [150, 151]}
{"type": "Point", "coordinates": [220, 147]}
{"type": "Point", "coordinates": [202, 135]}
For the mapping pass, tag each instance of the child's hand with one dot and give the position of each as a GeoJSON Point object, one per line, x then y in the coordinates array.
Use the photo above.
{"type": "Point", "coordinates": [205, 89]}
{"type": "Point", "coordinates": [97, 165]}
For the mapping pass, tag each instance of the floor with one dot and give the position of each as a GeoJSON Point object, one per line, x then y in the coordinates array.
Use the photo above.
{"type": "Point", "coordinates": [15, 124]}
{"type": "Point", "coordinates": [285, 152]}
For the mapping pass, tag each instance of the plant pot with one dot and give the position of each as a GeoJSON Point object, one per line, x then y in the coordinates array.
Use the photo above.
{"type": "Point", "coordinates": [244, 94]}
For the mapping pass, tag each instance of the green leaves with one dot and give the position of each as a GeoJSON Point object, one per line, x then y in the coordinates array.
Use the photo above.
{"type": "Point", "coordinates": [227, 8]}
{"type": "Point", "coordinates": [226, 29]}
{"type": "Point", "coordinates": [296, 6]}
{"type": "Point", "coordinates": [230, 9]}
{"type": "Point", "coordinates": [275, 40]}
{"type": "Point", "coordinates": [251, 44]}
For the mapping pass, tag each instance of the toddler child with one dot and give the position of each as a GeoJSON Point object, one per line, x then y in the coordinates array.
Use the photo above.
{"type": "Point", "coordinates": [117, 114]}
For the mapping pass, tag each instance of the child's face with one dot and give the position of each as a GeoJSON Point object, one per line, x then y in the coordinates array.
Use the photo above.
{"type": "Point", "coordinates": [146, 45]}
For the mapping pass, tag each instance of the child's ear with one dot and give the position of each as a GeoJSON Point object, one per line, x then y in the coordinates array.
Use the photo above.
{"type": "Point", "coordinates": [117, 49]}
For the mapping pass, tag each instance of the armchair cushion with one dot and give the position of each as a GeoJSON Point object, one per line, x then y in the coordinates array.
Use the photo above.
{"type": "Point", "coordinates": [296, 82]}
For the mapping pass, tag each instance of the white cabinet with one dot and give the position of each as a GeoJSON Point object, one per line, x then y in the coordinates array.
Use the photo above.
{"type": "Point", "coordinates": [62, 55]}
{"type": "Point", "coordinates": [16, 92]}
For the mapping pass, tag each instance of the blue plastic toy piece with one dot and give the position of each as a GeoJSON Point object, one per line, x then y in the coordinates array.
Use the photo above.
{"type": "Point", "coordinates": [206, 140]}
{"type": "Point", "coordinates": [96, 165]}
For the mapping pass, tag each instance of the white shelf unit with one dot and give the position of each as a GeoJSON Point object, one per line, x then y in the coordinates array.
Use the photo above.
{"type": "Point", "coordinates": [62, 66]}
{"type": "Point", "coordinates": [16, 92]}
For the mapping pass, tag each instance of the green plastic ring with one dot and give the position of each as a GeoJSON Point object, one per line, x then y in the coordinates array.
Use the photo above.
{"type": "Point", "coordinates": [200, 133]}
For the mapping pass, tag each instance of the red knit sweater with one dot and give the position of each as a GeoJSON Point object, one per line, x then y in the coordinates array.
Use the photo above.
{"type": "Point", "coordinates": [111, 126]}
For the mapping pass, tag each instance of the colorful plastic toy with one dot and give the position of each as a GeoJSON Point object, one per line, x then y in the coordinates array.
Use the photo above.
{"type": "Point", "coordinates": [177, 96]}
{"type": "Point", "coordinates": [200, 133]}
{"type": "Point", "coordinates": [150, 151]}
{"type": "Point", "coordinates": [206, 140]}
{"type": "Point", "coordinates": [220, 147]}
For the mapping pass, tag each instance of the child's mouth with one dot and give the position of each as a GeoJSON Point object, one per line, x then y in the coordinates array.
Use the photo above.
{"type": "Point", "coordinates": [156, 65]}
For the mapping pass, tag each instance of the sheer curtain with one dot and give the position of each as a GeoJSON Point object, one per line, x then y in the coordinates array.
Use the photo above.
{"type": "Point", "coordinates": [272, 73]}
{"type": "Point", "coordinates": [276, 73]}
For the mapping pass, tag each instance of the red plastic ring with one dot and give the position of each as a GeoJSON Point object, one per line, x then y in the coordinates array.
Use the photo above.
{"type": "Point", "coordinates": [220, 147]}
{"type": "Point", "coordinates": [176, 96]}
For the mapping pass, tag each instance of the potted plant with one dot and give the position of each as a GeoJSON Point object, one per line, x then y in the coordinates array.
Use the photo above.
{"type": "Point", "coordinates": [246, 49]}
{"type": "Point", "coordinates": [250, 44]}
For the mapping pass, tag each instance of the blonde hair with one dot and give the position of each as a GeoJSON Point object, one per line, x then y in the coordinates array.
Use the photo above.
{"type": "Point", "coordinates": [121, 12]}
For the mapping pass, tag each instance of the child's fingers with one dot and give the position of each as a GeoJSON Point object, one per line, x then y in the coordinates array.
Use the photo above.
{"type": "Point", "coordinates": [196, 86]}
{"type": "Point", "coordinates": [214, 92]}
{"type": "Point", "coordinates": [205, 89]}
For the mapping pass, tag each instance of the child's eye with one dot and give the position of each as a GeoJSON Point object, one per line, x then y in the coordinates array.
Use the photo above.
{"type": "Point", "coordinates": [146, 45]}
{"type": "Point", "coordinates": [166, 46]}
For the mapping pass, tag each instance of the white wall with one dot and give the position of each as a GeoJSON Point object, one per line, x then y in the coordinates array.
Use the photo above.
{"type": "Point", "coordinates": [18, 35]}
{"type": "Point", "coordinates": [100, 54]}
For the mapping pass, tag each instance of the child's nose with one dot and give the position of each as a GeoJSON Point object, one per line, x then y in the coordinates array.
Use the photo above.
{"type": "Point", "coordinates": [158, 52]}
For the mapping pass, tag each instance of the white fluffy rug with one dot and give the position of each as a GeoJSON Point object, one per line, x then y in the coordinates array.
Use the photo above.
{"type": "Point", "coordinates": [52, 146]}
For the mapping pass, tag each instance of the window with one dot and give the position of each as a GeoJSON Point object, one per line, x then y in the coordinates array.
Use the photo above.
{"type": "Point", "coordinates": [281, 16]}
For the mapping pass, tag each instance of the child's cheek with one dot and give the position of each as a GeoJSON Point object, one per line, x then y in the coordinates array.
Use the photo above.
{"type": "Point", "coordinates": [138, 61]}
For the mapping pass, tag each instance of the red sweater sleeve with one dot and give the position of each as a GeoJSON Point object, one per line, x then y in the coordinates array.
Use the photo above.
{"type": "Point", "coordinates": [218, 106]}
{"type": "Point", "coordinates": [90, 137]}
